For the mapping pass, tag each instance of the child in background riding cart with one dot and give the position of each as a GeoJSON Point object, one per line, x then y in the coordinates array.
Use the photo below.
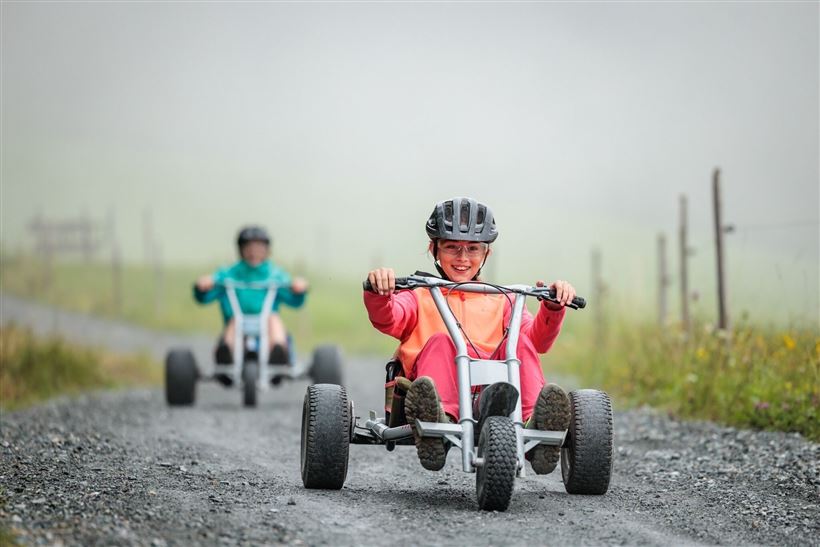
{"type": "Point", "coordinates": [254, 266]}
{"type": "Point", "coordinates": [461, 231]}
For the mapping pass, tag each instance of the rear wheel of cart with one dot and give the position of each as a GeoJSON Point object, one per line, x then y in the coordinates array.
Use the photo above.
{"type": "Point", "coordinates": [326, 419]}
{"type": "Point", "coordinates": [586, 459]}
{"type": "Point", "coordinates": [327, 365]}
{"type": "Point", "coordinates": [180, 377]}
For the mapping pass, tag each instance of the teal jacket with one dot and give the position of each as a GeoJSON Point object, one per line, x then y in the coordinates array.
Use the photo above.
{"type": "Point", "coordinates": [250, 300]}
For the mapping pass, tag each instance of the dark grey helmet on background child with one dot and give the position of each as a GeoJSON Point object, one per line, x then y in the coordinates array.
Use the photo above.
{"type": "Point", "coordinates": [252, 233]}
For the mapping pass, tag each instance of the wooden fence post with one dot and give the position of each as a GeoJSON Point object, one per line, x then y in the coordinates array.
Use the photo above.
{"type": "Point", "coordinates": [663, 280]}
{"type": "Point", "coordinates": [116, 278]}
{"type": "Point", "coordinates": [723, 312]}
{"type": "Point", "coordinates": [684, 256]}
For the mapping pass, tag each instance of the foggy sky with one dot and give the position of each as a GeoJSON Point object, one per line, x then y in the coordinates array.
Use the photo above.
{"type": "Point", "coordinates": [339, 125]}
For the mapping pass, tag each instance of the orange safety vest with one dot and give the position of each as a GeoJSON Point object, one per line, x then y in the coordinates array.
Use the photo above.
{"type": "Point", "coordinates": [480, 315]}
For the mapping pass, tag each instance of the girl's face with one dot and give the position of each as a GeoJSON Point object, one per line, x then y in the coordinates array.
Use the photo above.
{"type": "Point", "coordinates": [255, 253]}
{"type": "Point", "coordinates": [461, 260]}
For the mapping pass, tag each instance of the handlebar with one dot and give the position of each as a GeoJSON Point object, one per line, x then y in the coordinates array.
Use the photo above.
{"type": "Point", "coordinates": [412, 282]}
{"type": "Point", "coordinates": [401, 285]}
{"type": "Point", "coordinates": [228, 284]}
{"type": "Point", "coordinates": [246, 284]}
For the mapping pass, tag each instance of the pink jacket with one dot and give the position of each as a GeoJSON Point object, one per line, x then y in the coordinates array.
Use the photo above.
{"type": "Point", "coordinates": [410, 317]}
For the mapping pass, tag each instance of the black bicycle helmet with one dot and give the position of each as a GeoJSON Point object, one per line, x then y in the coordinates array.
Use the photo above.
{"type": "Point", "coordinates": [252, 233]}
{"type": "Point", "coordinates": [462, 219]}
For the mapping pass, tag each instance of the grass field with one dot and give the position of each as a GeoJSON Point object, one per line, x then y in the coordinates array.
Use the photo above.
{"type": "Point", "coordinates": [334, 312]}
{"type": "Point", "coordinates": [753, 376]}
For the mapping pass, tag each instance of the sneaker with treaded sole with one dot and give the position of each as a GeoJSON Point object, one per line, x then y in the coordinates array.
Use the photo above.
{"type": "Point", "coordinates": [278, 355]}
{"type": "Point", "coordinates": [552, 413]}
{"type": "Point", "coordinates": [422, 403]}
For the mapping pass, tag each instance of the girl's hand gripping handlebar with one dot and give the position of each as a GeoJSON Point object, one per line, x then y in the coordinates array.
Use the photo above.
{"type": "Point", "coordinates": [415, 281]}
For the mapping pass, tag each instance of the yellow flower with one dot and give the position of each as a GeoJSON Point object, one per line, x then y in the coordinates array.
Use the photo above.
{"type": "Point", "coordinates": [789, 342]}
{"type": "Point", "coordinates": [701, 353]}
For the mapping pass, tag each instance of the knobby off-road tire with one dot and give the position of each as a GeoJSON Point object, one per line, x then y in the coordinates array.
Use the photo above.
{"type": "Point", "coordinates": [250, 377]}
{"type": "Point", "coordinates": [327, 365]}
{"type": "Point", "coordinates": [586, 459]}
{"type": "Point", "coordinates": [495, 479]}
{"type": "Point", "coordinates": [180, 377]}
{"type": "Point", "coordinates": [325, 436]}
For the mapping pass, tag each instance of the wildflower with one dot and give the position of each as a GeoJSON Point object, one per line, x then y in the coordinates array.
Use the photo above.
{"type": "Point", "coordinates": [762, 405]}
{"type": "Point", "coordinates": [789, 342]}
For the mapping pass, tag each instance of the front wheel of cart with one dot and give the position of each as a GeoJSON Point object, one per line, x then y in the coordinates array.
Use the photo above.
{"type": "Point", "coordinates": [495, 477]}
{"type": "Point", "coordinates": [250, 376]}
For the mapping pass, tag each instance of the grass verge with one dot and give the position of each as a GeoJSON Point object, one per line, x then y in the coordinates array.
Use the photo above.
{"type": "Point", "coordinates": [7, 536]}
{"type": "Point", "coordinates": [751, 377]}
{"type": "Point", "coordinates": [33, 369]}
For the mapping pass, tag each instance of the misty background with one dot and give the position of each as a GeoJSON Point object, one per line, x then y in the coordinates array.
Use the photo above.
{"type": "Point", "coordinates": [339, 125]}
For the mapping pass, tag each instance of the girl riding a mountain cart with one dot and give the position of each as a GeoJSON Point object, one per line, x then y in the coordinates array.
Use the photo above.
{"type": "Point", "coordinates": [467, 368]}
{"type": "Point", "coordinates": [254, 348]}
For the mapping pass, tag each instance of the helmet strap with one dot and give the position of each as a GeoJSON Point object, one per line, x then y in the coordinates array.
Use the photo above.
{"type": "Point", "coordinates": [436, 262]}
{"type": "Point", "coordinates": [482, 264]}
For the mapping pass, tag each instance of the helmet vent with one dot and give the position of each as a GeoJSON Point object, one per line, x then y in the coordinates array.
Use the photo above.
{"type": "Point", "coordinates": [464, 216]}
{"type": "Point", "coordinates": [480, 219]}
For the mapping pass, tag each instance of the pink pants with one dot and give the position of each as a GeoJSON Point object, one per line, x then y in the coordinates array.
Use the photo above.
{"type": "Point", "coordinates": [437, 360]}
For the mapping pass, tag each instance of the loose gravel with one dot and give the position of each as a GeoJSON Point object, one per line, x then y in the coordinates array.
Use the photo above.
{"type": "Point", "coordinates": [121, 468]}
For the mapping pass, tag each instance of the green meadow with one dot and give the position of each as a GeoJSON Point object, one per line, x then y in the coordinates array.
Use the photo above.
{"type": "Point", "coordinates": [753, 376]}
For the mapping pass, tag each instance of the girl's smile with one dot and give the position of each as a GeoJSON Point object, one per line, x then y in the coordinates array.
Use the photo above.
{"type": "Point", "coordinates": [461, 260]}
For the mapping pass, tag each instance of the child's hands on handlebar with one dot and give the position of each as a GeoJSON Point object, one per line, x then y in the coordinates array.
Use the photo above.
{"type": "Point", "coordinates": [383, 280]}
{"type": "Point", "coordinates": [205, 283]}
{"type": "Point", "coordinates": [299, 285]}
{"type": "Point", "coordinates": [564, 293]}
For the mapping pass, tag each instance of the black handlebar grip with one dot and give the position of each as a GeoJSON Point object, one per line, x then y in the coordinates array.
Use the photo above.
{"type": "Point", "coordinates": [577, 302]}
{"type": "Point", "coordinates": [367, 286]}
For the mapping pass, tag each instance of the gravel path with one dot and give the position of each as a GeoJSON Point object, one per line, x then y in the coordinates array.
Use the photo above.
{"type": "Point", "coordinates": [122, 468]}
